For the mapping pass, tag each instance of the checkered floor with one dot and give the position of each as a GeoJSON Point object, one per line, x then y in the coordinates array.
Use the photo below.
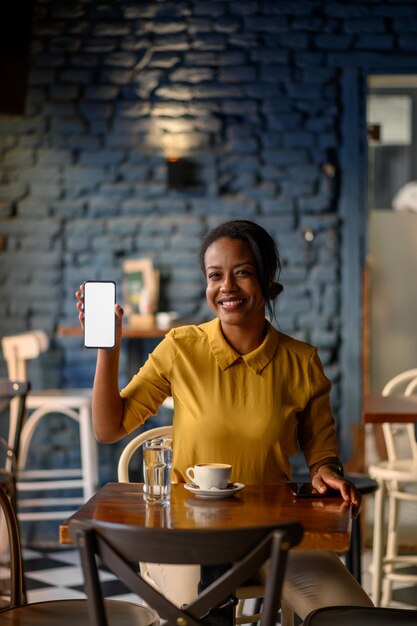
{"type": "Point", "coordinates": [57, 575]}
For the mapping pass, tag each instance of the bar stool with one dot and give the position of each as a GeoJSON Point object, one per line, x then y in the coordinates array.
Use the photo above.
{"type": "Point", "coordinates": [74, 404]}
{"type": "Point", "coordinates": [397, 478]}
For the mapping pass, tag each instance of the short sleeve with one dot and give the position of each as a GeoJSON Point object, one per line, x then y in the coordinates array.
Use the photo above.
{"type": "Point", "coordinates": [150, 386]}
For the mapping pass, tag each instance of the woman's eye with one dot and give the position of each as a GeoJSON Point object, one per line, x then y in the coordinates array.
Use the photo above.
{"type": "Point", "coordinates": [243, 273]}
{"type": "Point", "coordinates": [214, 276]}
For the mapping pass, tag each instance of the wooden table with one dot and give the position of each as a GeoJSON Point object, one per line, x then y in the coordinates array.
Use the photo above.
{"type": "Point", "coordinates": [326, 521]}
{"type": "Point", "coordinates": [141, 341]}
{"type": "Point", "coordinates": [129, 332]}
{"type": "Point", "coordinates": [377, 409]}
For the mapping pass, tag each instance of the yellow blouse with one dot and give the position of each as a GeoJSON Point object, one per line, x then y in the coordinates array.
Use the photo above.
{"type": "Point", "coordinates": [249, 411]}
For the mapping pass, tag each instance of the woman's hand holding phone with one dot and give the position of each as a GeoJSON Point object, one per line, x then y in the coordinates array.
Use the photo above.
{"type": "Point", "coordinates": [114, 323]}
{"type": "Point", "coordinates": [107, 404]}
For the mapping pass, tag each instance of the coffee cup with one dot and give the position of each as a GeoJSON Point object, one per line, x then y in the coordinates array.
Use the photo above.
{"type": "Point", "coordinates": [209, 475]}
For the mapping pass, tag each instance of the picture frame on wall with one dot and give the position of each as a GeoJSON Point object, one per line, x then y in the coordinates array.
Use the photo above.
{"type": "Point", "coordinates": [140, 291]}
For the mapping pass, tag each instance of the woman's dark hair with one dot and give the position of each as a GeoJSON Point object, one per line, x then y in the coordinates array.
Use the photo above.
{"type": "Point", "coordinates": [264, 250]}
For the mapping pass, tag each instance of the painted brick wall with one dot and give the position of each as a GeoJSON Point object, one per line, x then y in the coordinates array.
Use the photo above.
{"type": "Point", "coordinates": [248, 90]}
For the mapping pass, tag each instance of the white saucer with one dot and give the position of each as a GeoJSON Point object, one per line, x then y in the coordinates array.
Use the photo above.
{"type": "Point", "coordinates": [214, 493]}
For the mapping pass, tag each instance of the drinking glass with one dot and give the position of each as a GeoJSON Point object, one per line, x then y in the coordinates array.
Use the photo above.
{"type": "Point", "coordinates": [157, 464]}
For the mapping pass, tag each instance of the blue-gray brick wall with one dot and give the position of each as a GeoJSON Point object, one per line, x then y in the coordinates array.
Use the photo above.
{"type": "Point", "coordinates": [248, 90]}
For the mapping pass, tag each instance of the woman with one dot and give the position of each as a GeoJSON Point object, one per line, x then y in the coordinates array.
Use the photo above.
{"type": "Point", "coordinates": [244, 394]}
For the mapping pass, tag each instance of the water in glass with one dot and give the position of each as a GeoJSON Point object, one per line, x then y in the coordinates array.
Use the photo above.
{"type": "Point", "coordinates": [157, 464]}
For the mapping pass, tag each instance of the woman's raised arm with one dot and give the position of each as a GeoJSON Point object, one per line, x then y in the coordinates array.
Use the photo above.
{"type": "Point", "coordinates": [107, 403]}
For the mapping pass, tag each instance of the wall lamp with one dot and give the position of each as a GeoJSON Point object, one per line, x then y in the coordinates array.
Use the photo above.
{"type": "Point", "coordinates": [182, 173]}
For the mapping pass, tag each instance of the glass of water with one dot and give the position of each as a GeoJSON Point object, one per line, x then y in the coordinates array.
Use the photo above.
{"type": "Point", "coordinates": [157, 464]}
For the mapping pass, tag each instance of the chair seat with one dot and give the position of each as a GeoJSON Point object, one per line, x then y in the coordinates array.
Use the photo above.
{"type": "Point", "coordinates": [360, 616]}
{"type": "Point", "coordinates": [403, 470]}
{"type": "Point", "coordinates": [75, 612]}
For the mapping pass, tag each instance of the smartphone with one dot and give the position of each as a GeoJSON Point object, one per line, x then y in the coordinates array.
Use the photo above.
{"type": "Point", "coordinates": [306, 490]}
{"type": "Point", "coordinates": [99, 316]}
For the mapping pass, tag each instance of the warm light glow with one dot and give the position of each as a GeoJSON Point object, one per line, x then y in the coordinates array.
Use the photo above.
{"type": "Point", "coordinates": [176, 137]}
{"type": "Point", "coordinates": [176, 145]}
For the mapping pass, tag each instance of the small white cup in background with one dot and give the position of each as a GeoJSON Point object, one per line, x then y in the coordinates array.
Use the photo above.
{"type": "Point", "coordinates": [164, 319]}
{"type": "Point", "coordinates": [209, 475]}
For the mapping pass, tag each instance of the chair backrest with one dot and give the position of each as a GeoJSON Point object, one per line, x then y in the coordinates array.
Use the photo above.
{"type": "Point", "coordinates": [400, 439]}
{"type": "Point", "coordinates": [18, 349]}
{"type": "Point", "coordinates": [235, 555]}
{"type": "Point", "coordinates": [16, 569]}
{"type": "Point", "coordinates": [133, 445]}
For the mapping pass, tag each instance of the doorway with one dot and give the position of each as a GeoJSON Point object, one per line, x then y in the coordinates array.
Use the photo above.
{"type": "Point", "coordinates": [390, 302]}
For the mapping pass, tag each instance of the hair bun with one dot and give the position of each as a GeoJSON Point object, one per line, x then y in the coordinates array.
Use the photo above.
{"type": "Point", "coordinates": [275, 290]}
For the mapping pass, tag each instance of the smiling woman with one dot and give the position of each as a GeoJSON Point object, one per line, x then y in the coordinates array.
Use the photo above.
{"type": "Point", "coordinates": [244, 394]}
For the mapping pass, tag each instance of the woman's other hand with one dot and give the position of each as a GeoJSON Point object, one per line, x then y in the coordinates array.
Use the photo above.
{"type": "Point", "coordinates": [327, 476]}
{"type": "Point", "coordinates": [117, 310]}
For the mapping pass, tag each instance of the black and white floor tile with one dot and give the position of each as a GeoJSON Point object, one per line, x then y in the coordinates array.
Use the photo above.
{"type": "Point", "coordinates": [57, 575]}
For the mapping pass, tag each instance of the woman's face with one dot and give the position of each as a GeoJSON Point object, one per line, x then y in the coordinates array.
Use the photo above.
{"type": "Point", "coordinates": [233, 291]}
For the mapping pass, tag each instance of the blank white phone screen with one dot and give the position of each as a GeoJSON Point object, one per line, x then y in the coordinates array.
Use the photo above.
{"type": "Point", "coordinates": [99, 317]}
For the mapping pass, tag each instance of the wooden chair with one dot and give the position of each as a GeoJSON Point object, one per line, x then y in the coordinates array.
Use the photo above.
{"type": "Point", "coordinates": [12, 399]}
{"type": "Point", "coordinates": [62, 612]}
{"type": "Point", "coordinates": [360, 616]}
{"type": "Point", "coordinates": [12, 402]}
{"type": "Point", "coordinates": [72, 403]}
{"type": "Point", "coordinates": [133, 445]}
{"type": "Point", "coordinates": [244, 592]}
{"type": "Point", "coordinates": [228, 558]}
{"type": "Point", "coordinates": [397, 479]}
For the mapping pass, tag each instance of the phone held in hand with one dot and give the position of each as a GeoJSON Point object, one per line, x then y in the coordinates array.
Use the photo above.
{"type": "Point", "coordinates": [306, 490]}
{"type": "Point", "coordinates": [99, 315]}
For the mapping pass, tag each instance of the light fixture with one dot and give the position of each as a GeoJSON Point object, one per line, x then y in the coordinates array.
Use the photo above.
{"type": "Point", "coordinates": [182, 173]}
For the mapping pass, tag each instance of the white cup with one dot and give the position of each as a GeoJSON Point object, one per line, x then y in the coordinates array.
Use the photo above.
{"type": "Point", "coordinates": [164, 319]}
{"type": "Point", "coordinates": [209, 475]}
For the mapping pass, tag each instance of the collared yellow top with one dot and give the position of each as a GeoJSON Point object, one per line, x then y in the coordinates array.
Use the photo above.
{"type": "Point", "coordinates": [251, 411]}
